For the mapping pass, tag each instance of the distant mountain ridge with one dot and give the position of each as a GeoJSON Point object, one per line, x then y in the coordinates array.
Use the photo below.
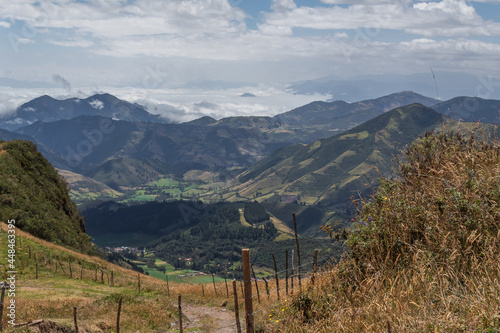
{"type": "Point", "coordinates": [92, 145]}
{"type": "Point", "coordinates": [48, 109]}
{"type": "Point", "coordinates": [471, 109]}
{"type": "Point", "coordinates": [329, 171]}
{"type": "Point", "coordinates": [318, 119]}
{"type": "Point", "coordinates": [130, 153]}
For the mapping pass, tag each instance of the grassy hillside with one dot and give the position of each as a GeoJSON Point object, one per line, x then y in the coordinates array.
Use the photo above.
{"type": "Point", "coordinates": [328, 172]}
{"type": "Point", "coordinates": [52, 293]}
{"type": "Point", "coordinates": [84, 188]}
{"type": "Point", "coordinates": [34, 195]}
{"type": "Point", "coordinates": [424, 252]}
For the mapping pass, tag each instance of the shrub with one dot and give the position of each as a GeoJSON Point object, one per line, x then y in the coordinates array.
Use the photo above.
{"type": "Point", "coordinates": [443, 207]}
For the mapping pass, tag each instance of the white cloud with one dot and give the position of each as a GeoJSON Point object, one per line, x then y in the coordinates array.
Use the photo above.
{"type": "Point", "coordinates": [121, 42]}
{"type": "Point", "coordinates": [97, 104]}
{"type": "Point", "coordinates": [359, 2]}
{"type": "Point", "coordinates": [72, 43]}
{"type": "Point", "coordinates": [341, 35]}
{"type": "Point", "coordinates": [283, 5]}
{"type": "Point", "coordinates": [179, 105]}
{"type": "Point", "coordinates": [444, 18]}
{"type": "Point", "coordinates": [113, 18]}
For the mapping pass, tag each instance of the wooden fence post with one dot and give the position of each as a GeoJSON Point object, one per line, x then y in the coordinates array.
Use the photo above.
{"type": "Point", "coordinates": [267, 288]}
{"type": "Point", "coordinates": [180, 314]}
{"type": "Point", "coordinates": [286, 271]}
{"type": "Point", "coordinates": [36, 266]}
{"type": "Point", "coordinates": [168, 287]}
{"type": "Point", "coordinates": [277, 277]}
{"type": "Point", "coordinates": [112, 278]}
{"type": "Point", "coordinates": [247, 280]}
{"type": "Point", "coordinates": [203, 290]}
{"type": "Point", "coordinates": [56, 267]}
{"type": "Point", "coordinates": [227, 289]}
{"type": "Point", "coordinates": [62, 268]}
{"type": "Point", "coordinates": [315, 266]}
{"type": "Point", "coordinates": [74, 319]}
{"type": "Point", "coordinates": [298, 251]}
{"type": "Point", "coordinates": [81, 273]}
{"type": "Point", "coordinates": [139, 283]}
{"type": "Point", "coordinates": [292, 272]}
{"type": "Point", "coordinates": [1, 304]}
{"type": "Point", "coordinates": [118, 316]}
{"type": "Point", "coordinates": [213, 280]}
{"type": "Point", "coordinates": [70, 270]}
{"type": "Point", "coordinates": [256, 285]}
{"type": "Point", "coordinates": [236, 307]}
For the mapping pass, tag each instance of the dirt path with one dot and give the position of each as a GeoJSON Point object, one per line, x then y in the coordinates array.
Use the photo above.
{"type": "Point", "coordinates": [208, 319]}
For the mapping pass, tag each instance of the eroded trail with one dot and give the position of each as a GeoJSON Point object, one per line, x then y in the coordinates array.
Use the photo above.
{"type": "Point", "coordinates": [207, 319]}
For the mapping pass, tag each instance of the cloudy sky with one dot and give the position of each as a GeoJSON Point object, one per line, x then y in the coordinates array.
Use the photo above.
{"type": "Point", "coordinates": [154, 49]}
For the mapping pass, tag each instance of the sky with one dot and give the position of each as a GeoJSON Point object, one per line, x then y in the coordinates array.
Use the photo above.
{"type": "Point", "coordinates": [163, 52]}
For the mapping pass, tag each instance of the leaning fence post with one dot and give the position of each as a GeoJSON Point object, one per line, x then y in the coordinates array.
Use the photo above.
{"type": "Point", "coordinates": [236, 307]}
{"type": "Point", "coordinates": [267, 288]}
{"type": "Point", "coordinates": [247, 280]}
{"type": "Point", "coordinates": [256, 285]}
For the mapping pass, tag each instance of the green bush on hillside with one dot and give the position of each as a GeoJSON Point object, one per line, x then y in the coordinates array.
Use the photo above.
{"type": "Point", "coordinates": [34, 195]}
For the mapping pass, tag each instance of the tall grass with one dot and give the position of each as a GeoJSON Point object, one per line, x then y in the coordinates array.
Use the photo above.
{"type": "Point", "coordinates": [423, 252]}
{"type": "Point", "coordinates": [54, 294]}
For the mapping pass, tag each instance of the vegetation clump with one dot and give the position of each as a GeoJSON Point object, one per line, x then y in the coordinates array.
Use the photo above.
{"type": "Point", "coordinates": [34, 195]}
{"type": "Point", "coordinates": [423, 251]}
{"type": "Point", "coordinates": [443, 209]}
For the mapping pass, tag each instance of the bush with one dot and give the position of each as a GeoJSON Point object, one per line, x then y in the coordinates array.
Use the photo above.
{"type": "Point", "coordinates": [443, 207]}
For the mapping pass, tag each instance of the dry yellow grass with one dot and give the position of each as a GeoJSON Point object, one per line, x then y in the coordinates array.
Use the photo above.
{"type": "Point", "coordinates": [52, 296]}
{"type": "Point", "coordinates": [424, 257]}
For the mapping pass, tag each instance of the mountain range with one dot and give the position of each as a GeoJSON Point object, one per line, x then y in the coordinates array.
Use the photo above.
{"type": "Point", "coordinates": [317, 154]}
{"type": "Point", "coordinates": [48, 109]}
{"type": "Point", "coordinates": [444, 85]}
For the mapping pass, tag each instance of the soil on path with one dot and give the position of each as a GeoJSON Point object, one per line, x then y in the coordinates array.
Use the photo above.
{"type": "Point", "coordinates": [207, 319]}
